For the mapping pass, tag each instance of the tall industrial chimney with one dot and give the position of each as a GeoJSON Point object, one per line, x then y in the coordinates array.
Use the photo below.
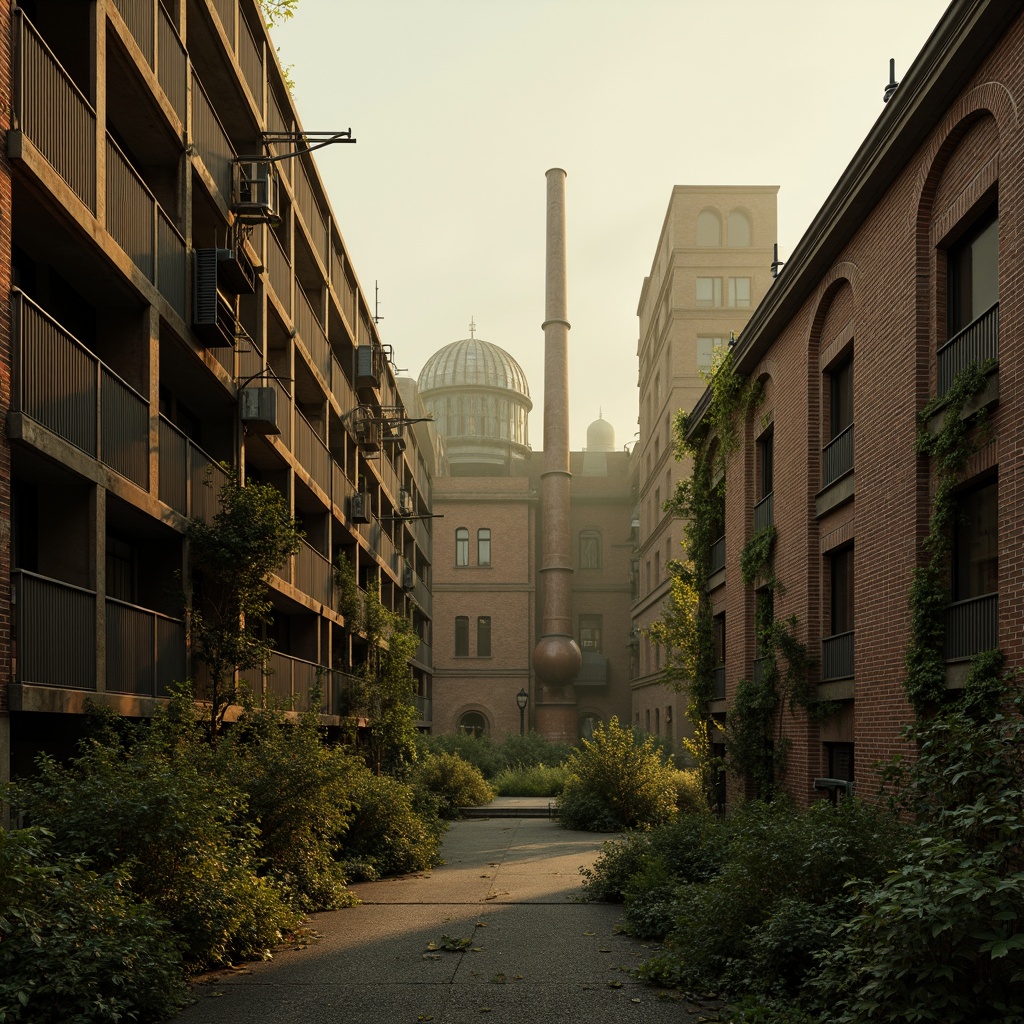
{"type": "Point", "coordinates": [556, 658]}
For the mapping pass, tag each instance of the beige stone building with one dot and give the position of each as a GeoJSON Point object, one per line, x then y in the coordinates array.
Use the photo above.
{"type": "Point", "coordinates": [712, 266]}
{"type": "Point", "coordinates": [487, 550]}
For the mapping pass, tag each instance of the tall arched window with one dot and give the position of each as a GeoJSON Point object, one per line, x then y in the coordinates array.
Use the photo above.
{"type": "Point", "coordinates": [739, 230]}
{"type": "Point", "coordinates": [472, 723]}
{"type": "Point", "coordinates": [709, 228]}
{"type": "Point", "coordinates": [462, 546]}
{"type": "Point", "coordinates": [483, 547]}
{"type": "Point", "coordinates": [590, 549]}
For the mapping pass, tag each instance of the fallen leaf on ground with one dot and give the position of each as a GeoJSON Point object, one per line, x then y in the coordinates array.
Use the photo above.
{"type": "Point", "coordinates": [615, 984]}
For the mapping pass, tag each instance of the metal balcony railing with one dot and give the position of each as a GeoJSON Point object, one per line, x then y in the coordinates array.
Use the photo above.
{"type": "Point", "coordinates": [978, 342]}
{"type": "Point", "coordinates": [312, 334]}
{"type": "Point", "coordinates": [211, 141]}
{"type": "Point", "coordinates": [764, 515]}
{"type": "Point", "coordinates": [145, 650]}
{"type": "Point", "coordinates": [972, 626]}
{"type": "Point", "coordinates": [312, 453]}
{"type": "Point", "coordinates": [279, 272]}
{"type": "Point", "coordinates": [157, 38]}
{"type": "Point", "coordinates": [250, 58]}
{"type": "Point", "coordinates": [719, 691]}
{"type": "Point", "coordinates": [53, 112]}
{"type": "Point", "coordinates": [309, 210]}
{"type": "Point", "coordinates": [314, 575]}
{"type": "Point", "coordinates": [424, 708]}
{"type": "Point", "coordinates": [190, 480]}
{"type": "Point", "coordinates": [837, 457]}
{"type": "Point", "coordinates": [294, 682]}
{"type": "Point", "coordinates": [837, 656]}
{"type": "Point", "coordinates": [717, 561]}
{"type": "Point", "coordinates": [55, 631]}
{"type": "Point", "coordinates": [60, 384]}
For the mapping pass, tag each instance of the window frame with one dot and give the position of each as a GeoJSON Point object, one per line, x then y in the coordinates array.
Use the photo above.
{"type": "Point", "coordinates": [461, 636]}
{"type": "Point", "coordinates": [592, 540]}
{"type": "Point", "coordinates": [483, 544]}
{"type": "Point", "coordinates": [483, 636]}
{"type": "Point", "coordinates": [461, 547]}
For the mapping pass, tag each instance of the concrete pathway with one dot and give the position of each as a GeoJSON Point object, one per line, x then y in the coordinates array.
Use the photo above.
{"type": "Point", "coordinates": [533, 955]}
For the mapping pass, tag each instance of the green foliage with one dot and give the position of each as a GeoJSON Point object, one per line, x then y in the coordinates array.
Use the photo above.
{"type": "Point", "coordinates": [534, 780]}
{"type": "Point", "coordinates": [298, 794]}
{"type": "Point", "coordinates": [232, 558]}
{"type": "Point", "coordinates": [277, 12]}
{"type": "Point", "coordinates": [480, 751]}
{"type": "Point", "coordinates": [941, 938]}
{"type": "Point", "coordinates": [616, 781]}
{"type": "Point", "coordinates": [532, 749]}
{"type": "Point", "coordinates": [492, 758]}
{"type": "Point", "coordinates": [452, 782]}
{"type": "Point", "coordinates": [160, 813]}
{"type": "Point", "coordinates": [690, 792]}
{"type": "Point", "coordinates": [949, 449]}
{"type": "Point", "coordinates": [347, 589]}
{"type": "Point", "coordinates": [388, 833]}
{"type": "Point", "coordinates": [74, 947]}
{"type": "Point", "coordinates": [386, 692]}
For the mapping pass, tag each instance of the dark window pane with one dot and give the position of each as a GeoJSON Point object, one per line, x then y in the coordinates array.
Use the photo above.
{"type": "Point", "coordinates": [973, 276]}
{"type": "Point", "coordinates": [483, 636]}
{"type": "Point", "coordinates": [462, 636]}
{"type": "Point", "coordinates": [975, 544]}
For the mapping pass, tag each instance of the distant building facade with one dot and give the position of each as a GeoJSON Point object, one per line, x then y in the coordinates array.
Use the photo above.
{"type": "Point", "coordinates": [487, 550]}
{"type": "Point", "coordinates": [711, 268]}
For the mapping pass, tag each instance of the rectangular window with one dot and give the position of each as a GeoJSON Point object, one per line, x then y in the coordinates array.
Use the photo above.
{"type": "Point", "coordinates": [841, 590]}
{"type": "Point", "coordinates": [590, 549]}
{"type": "Point", "coordinates": [766, 463]}
{"type": "Point", "coordinates": [461, 636]}
{"type": "Point", "coordinates": [840, 761]}
{"type": "Point", "coordinates": [462, 546]}
{"type": "Point", "coordinates": [973, 276]}
{"type": "Point", "coordinates": [709, 291]}
{"type": "Point", "coordinates": [707, 347]}
{"type": "Point", "coordinates": [841, 398]}
{"type": "Point", "coordinates": [122, 570]}
{"type": "Point", "coordinates": [591, 628]}
{"type": "Point", "coordinates": [483, 636]}
{"type": "Point", "coordinates": [975, 543]}
{"type": "Point", "coordinates": [483, 547]}
{"type": "Point", "coordinates": [718, 638]}
{"type": "Point", "coordinates": [739, 292]}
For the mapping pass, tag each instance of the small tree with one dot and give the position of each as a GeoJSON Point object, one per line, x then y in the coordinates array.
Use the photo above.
{"type": "Point", "coordinates": [232, 559]}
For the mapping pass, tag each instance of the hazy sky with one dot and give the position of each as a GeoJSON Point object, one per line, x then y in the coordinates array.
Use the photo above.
{"type": "Point", "coordinates": [460, 106]}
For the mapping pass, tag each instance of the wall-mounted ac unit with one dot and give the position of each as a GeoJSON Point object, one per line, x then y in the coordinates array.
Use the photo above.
{"type": "Point", "coordinates": [404, 502]}
{"type": "Point", "coordinates": [361, 507]}
{"type": "Point", "coordinates": [408, 578]}
{"type": "Point", "coordinates": [368, 366]}
{"type": "Point", "coordinates": [257, 408]}
{"type": "Point", "coordinates": [213, 317]}
{"type": "Point", "coordinates": [235, 272]}
{"type": "Point", "coordinates": [255, 196]}
{"type": "Point", "coordinates": [367, 430]}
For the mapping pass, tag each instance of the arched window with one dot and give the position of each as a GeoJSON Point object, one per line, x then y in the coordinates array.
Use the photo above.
{"type": "Point", "coordinates": [472, 723]}
{"type": "Point", "coordinates": [739, 230]}
{"type": "Point", "coordinates": [590, 549]}
{"type": "Point", "coordinates": [588, 723]}
{"type": "Point", "coordinates": [462, 546]}
{"type": "Point", "coordinates": [483, 547]}
{"type": "Point", "coordinates": [709, 228]}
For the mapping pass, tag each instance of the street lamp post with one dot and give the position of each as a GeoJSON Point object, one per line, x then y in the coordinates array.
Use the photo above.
{"type": "Point", "coordinates": [522, 699]}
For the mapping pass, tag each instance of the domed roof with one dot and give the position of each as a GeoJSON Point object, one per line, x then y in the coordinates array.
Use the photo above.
{"type": "Point", "coordinates": [600, 436]}
{"type": "Point", "coordinates": [473, 362]}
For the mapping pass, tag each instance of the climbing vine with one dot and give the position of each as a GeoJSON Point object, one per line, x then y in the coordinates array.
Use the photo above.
{"type": "Point", "coordinates": [949, 448]}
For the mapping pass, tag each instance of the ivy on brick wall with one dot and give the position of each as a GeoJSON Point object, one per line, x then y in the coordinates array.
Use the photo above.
{"type": "Point", "coordinates": [949, 448]}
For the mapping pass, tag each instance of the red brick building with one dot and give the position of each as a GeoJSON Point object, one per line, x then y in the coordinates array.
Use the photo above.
{"type": "Point", "coordinates": [908, 273]}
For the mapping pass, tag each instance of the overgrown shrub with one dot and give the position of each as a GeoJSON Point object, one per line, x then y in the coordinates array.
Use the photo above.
{"type": "Point", "coordinates": [530, 780]}
{"type": "Point", "coordinates": [298, 796]}
{"type": "Point", "coordinates": [532, 750]}
{"type": "Point", "coordinates": [387, 834]}
{"type": "Point", "coordinates": [159, 813]}
{"type": "Point", "coordinates": [74, 947]}
{"type": "Point", "coordinates": [477, 750]}
{"type": "Point", "coordinates": [690, 796]}
{"type": "Point", "coordinates": [452, 782]}
{"type": "Point", "coordinates": [614, 781]}
{"type": "Point", "coordinates": [513, 752]}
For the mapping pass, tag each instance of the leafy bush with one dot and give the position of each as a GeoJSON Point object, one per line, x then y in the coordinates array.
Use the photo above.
{"type": "Point", "coordinates": [452, 782]}
{"type": "Point", "coordinates": [941, 937]}
{"type": "Point", "coordinates": [532, 750]}
{"type": "Point", "coordinates": [530, 780]}
{"type": "Point", "coordinates": [477, 750]}
{"type": "Point", "coordinates": [779, 869]}
{"type": "Point", "coordinates": [298, 796]}
{"type": "Point", "coordinates": [388, 835]}
{"type": "Point", "coordinates": [617, 781]}
{"type": "Point", "coordinates": [74, 949]}
{"type": "Point", "coordinates": [690, 796]}
{"type": "Point", "coordinates": [159, 813]}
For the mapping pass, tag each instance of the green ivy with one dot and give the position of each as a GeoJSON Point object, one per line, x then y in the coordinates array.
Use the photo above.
{"type": "Point", "coordinates": [950, 449]}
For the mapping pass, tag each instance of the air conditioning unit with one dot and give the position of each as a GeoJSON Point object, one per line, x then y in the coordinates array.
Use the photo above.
{"type": "Point", "coordinates": [404, 502]}
{"type": "Point", "coordinates": [408, 578]}
{"type": "Point", "coordinates": [255, 196]}
{"type": "Point", "coordinates": [367, 430]}
{"type": "Point", "coordinates": [257, 408]}
{"type": "Point", "coordinates": [361, 507]}
{"type": "Point", "coordinates": [368, 366]}
{"type": "Point", "coordinates": [235, 271]}
{"type": "Point", "coordinates": [213, 317]}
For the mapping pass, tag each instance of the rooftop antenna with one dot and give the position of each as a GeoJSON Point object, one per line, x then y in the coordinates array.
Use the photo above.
{"type": "Point", "coordinates": [472, 328]}
{"type": "Point", "coordinates": [891, 87]}
{"type": "Point", "coordinates": [376, 304]}
{"type": "Point", "coordinates": [777, 264]}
